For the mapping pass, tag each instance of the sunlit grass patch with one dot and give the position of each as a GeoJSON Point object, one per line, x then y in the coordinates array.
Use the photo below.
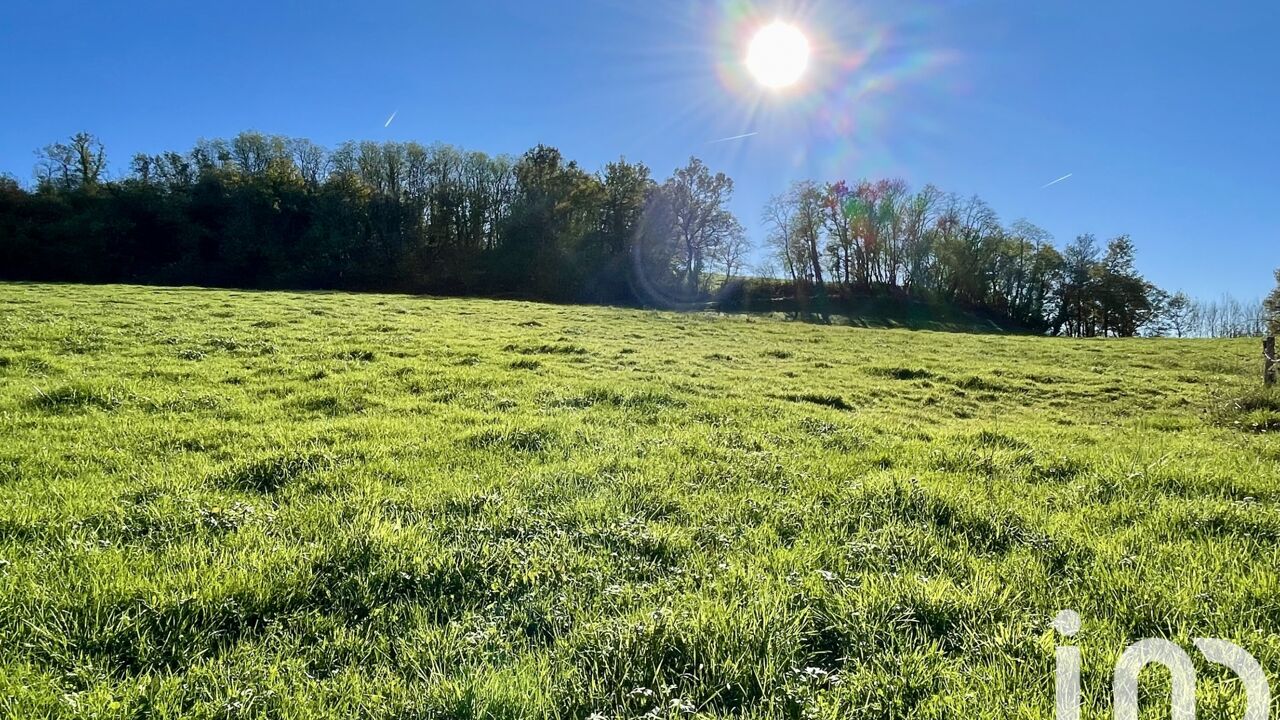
{"type": "Point", "coordinates": [78, 396]}
{"type": "Point", "coordinates": [220, 504]}
{"type": "Point", "coordinates": [1257, 410]}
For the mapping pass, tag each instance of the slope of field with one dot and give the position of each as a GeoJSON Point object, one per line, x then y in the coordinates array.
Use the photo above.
{"type": "Point", "coordinates": [245, 505]}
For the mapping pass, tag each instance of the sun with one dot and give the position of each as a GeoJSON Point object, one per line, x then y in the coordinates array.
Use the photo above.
{"type": "Point", "coordinates": [778, 55]}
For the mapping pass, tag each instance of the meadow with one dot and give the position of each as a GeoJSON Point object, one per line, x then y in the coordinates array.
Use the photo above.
{"type": "Point", "coordinates": [221, 504]}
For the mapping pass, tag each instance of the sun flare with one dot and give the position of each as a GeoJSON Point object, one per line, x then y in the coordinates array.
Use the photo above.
{"type": "Point", "coordinates": [778, 55]}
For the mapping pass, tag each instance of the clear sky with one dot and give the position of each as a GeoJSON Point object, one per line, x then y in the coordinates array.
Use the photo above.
{"type": "Point", "coordinates": [1166, 114]}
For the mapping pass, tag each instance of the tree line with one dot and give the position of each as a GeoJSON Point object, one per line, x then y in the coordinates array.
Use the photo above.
{"type": "Point", "coordinates": [265, 211]}
{"type": "Point", "coordinates": [1226, 317]}
{"type": "Point", "coordinates": [847, 240]}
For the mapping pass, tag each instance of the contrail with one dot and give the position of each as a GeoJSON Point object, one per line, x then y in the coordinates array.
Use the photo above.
{"type": "Point", "coordinates": [735, 137]}
{"type": "Point", "coordinates": [1055, 182]}
{"type": "Point", "coordinates": [393, 117]}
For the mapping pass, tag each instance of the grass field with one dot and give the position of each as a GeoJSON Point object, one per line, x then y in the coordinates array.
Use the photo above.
{"type": "Point", "coordinates": [223, 504]}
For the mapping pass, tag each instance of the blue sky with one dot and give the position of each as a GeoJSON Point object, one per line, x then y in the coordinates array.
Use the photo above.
{"type": "Point", "coordinates": [1167, 114]}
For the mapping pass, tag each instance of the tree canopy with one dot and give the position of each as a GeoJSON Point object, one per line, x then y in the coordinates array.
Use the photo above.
{"type": "Point", "coordinates": [266, 211]}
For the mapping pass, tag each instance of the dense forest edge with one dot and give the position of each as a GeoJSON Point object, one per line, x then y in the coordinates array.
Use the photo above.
{"type": "Point", "coordinates": [269, 212]}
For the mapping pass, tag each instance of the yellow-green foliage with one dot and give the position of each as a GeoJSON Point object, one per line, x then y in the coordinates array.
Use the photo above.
{"type": "Point", "coordinates": [225, 504]}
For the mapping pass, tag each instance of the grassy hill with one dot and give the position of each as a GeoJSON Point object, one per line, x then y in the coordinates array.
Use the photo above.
{"type": "Point", "coordinates": [238, 505]}
{"type": "Point", "coordinates": [895, 313]}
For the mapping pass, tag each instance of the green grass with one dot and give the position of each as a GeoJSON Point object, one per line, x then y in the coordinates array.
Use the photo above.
{"type": "Point", "coordinates": [224, 504]}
